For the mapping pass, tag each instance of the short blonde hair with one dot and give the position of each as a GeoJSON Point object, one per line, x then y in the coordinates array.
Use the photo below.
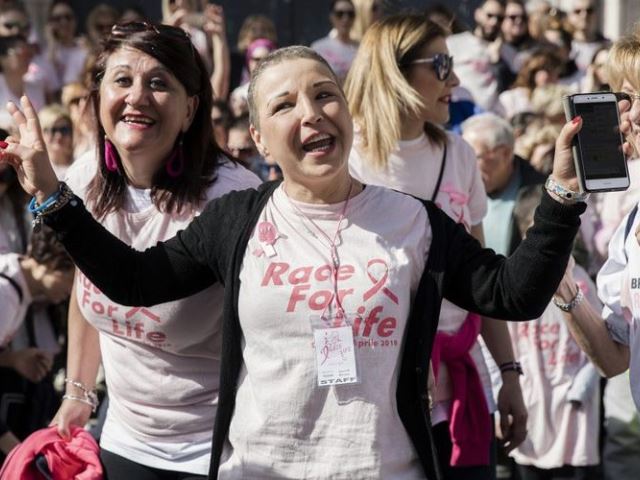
{"type": "Point", "coordinates": [377, 89]}
{"type": "Point", "coordinates": [50, 114]}
{"type": "Point", "coordinates": [624, 61]}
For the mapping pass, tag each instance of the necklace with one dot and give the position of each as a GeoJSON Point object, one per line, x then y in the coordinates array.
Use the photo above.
{"type": "Point", "coordinates": [327, 241]}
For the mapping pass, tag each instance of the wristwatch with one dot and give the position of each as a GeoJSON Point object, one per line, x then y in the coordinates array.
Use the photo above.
{"type": "Point", "coordinates": [554, 187]}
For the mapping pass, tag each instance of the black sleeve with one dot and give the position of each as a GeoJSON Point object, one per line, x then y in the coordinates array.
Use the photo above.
{"type": "Point", "coordinates": [179, 267]}
{"type": "Point", "coordinates": [518, 287]}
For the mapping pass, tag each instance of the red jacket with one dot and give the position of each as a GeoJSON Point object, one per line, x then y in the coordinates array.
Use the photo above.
{"type": "Point", "coordinates": [75, 459]}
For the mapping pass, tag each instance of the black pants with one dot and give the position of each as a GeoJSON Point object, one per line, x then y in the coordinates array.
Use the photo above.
{"type": "Point", "coordinates": [567, 472]}
{"type": "Point", "coordinates": [442, 440]}
{"type": "Point", "coordinates": [120, 468]}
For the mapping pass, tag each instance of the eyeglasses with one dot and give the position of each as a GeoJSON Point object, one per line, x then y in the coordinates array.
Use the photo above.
{"type": "Point", "coordinates": [62, 17]}
{"type": "Point", "coordinates": [64, 131]}
{"type": "Point", "coordinates": [515, 18]}
{"type": "Point", "coordinates": [22, 27]}
{"type": "Point", "coordinates": [497, 16]}
{"type": "Point", "coordinates": [350, 14]}
{"type": "Point", "coordinates": [442, 65]}
{"type": "Point", "coordinates": [217, 121]}
{"type": "Point", "coordinates": [587, 11]}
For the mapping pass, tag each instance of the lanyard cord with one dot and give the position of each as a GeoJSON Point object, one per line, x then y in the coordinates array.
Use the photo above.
{"type": "Point", "coordinates": [331, 244]}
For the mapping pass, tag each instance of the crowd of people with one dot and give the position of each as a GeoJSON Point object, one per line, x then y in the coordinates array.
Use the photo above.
{"type": "Point", "coordinates": [355, 259]}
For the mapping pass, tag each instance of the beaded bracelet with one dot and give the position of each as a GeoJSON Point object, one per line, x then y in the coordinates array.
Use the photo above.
{"type": "Point", "coordinates": [567, 307]}
{"type": "Point", "coordinates": [52, 204]}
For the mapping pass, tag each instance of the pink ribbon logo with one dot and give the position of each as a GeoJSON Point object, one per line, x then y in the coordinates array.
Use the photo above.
{"type": "Point", "coordinates": [379, 283]}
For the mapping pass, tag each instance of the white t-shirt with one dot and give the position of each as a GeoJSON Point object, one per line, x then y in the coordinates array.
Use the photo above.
{"type": "Point", "coordinates": [33, 88]}
{"type": "Point", "coordinates": [284, 425]}
{"type": "Point", "coordinates": [338, 55]}
{"type": "Point", "coordinates": [13, 309]}
{"type": "Point", "coordinates": [619, 289]}
{"type": "Point", "coordinates": [413, 168]}
{"type": "Point", "coordinates": [161, 363]}
{"type": "Point", "coordinates": [474, 69]}
{"type": "Point", "coordinates": [514, 101]}
{"type": "Point", "coordinates": [557, 372]}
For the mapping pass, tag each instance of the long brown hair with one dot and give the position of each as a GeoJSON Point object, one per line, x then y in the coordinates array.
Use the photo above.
{"type": "Point", "coordinates": [172, 47]}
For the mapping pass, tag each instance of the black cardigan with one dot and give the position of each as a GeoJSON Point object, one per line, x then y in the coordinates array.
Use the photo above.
{"type": "Point", "coordinates": [213, 246]}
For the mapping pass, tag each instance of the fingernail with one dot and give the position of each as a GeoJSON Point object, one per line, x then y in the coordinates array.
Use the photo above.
{"type": "Point", "coordinates": [576, 120]}
{"type": "Point", "coordinates": [3, 144]}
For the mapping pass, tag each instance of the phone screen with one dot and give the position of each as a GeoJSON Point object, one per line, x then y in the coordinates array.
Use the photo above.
{"type": "Point", "coordinates": [599, 140]}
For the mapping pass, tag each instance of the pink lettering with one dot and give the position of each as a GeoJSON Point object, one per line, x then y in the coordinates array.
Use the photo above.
{"type": "Point", "coordinates": [320, 300]}
{"type": "Point", "coordinates": [297, 295]}
{"type": "Point", "coordinates": [345, 272]}
{"type": "Point", "coordinates": [156, 337]}
{"type": "Point", "coordinates": [386, 327]}
{"type": "Point", "coordinates": [274, 273]}
{"type": "Point", "coordinates": [116, 327]}
{"type": "Point", "coordinates": [300, 275]}
{"type": "Point", "coordinates": [371, 319]}
{"type": "Point", "coordinates": [323, 273]}
{"type": "Point", "coordinates": [97, 308]}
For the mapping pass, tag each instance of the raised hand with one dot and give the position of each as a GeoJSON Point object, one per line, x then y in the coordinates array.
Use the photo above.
{"type": "Point", "coordinates": [28, 154]}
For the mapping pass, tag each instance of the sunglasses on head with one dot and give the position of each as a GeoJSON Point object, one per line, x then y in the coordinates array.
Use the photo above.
{"type": "Point", "coordinates": [64, 131]}
{"type": "Point", "coordinates": [344, 14]}
{"type": "Point", "coordinates": [497, 16]}
{"type": "Point", "coordinates": [442, 65]}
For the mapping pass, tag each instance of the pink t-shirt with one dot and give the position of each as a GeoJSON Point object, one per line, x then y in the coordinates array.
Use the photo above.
{"type": "Point", "coordinates": [284, 425]}
{"type": "Point", "coordinates": [413, 168]}
{"type": "Point", "coordinates": [555, 372]}
{"type": "Point", "coordinates": [162, 362]}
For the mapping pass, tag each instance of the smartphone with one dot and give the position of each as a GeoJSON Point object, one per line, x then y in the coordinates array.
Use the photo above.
{"type": "Point", "coordinates": [597, 148]}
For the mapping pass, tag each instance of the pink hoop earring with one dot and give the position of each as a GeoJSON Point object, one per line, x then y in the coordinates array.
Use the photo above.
{"type": "Point", "coordinates": [110, 156]}
{"type": "Point", "coordinates": [175, 164]}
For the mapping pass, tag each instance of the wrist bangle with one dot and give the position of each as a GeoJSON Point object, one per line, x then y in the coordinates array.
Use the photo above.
{"type": "Point", "coordinates": [554, 187]}
{"type": "Point", "coordinates": [90, 396]}
{"type": "Point", "coordinates": [84, 400]}
{"type": "Point", "coordinates": [511, 366]}
{"type": "Point", "coordinates": [567, 307]}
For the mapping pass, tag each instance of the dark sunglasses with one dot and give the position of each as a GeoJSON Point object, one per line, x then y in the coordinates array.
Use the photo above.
{"type": "Point", "coordinates": [217, 121]}
{"type": "Point", "coordinates": [351, 14]}
{"type": "Point", "coordinates": [497, 16]}
{"type": "Point", "coordinates": [76, 100]}
{"type": "Point", "coordinates": [23, 27]}
{"type": "Point", "coordinates": [63, 16]}
{"type": "Point", "coordinates": [64, 131]}
{"type": "Point", "coordinates": [442, 65]}
{"type": "Point", "coordinates": [588, 10]}
{"type": "Point", "coordinates": [515, 18]}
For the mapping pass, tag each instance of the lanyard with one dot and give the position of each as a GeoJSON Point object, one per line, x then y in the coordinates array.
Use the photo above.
{"type": "Point", "coordinates": [330, 244]}
{"type": "Point", "coordinates": [442, 164]}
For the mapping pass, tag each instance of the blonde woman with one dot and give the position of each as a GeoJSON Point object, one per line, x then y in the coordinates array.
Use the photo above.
{"type": "Point", "coordinates": [403, 73]}
{"type": "Point", "coordinates": [57, 132]}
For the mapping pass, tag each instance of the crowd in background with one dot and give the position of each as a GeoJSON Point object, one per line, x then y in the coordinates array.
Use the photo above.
{"type": "Point", "coordinates": [512, 68]}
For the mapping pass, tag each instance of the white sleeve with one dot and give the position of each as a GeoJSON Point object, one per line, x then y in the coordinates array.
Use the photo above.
{"type": "Point", "coordinates": [478, 203]}
{"type": "Point", "coordinates": [10, 308]}
{"type": "Point", "coordinates": [610, 283]}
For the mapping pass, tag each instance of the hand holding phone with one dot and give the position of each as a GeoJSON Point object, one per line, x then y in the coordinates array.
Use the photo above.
{"type": "Point", "coordinates": [597, 148]}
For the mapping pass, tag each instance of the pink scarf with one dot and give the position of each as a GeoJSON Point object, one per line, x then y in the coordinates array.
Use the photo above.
{"type": "Point", "coordinates": [469, 420]}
